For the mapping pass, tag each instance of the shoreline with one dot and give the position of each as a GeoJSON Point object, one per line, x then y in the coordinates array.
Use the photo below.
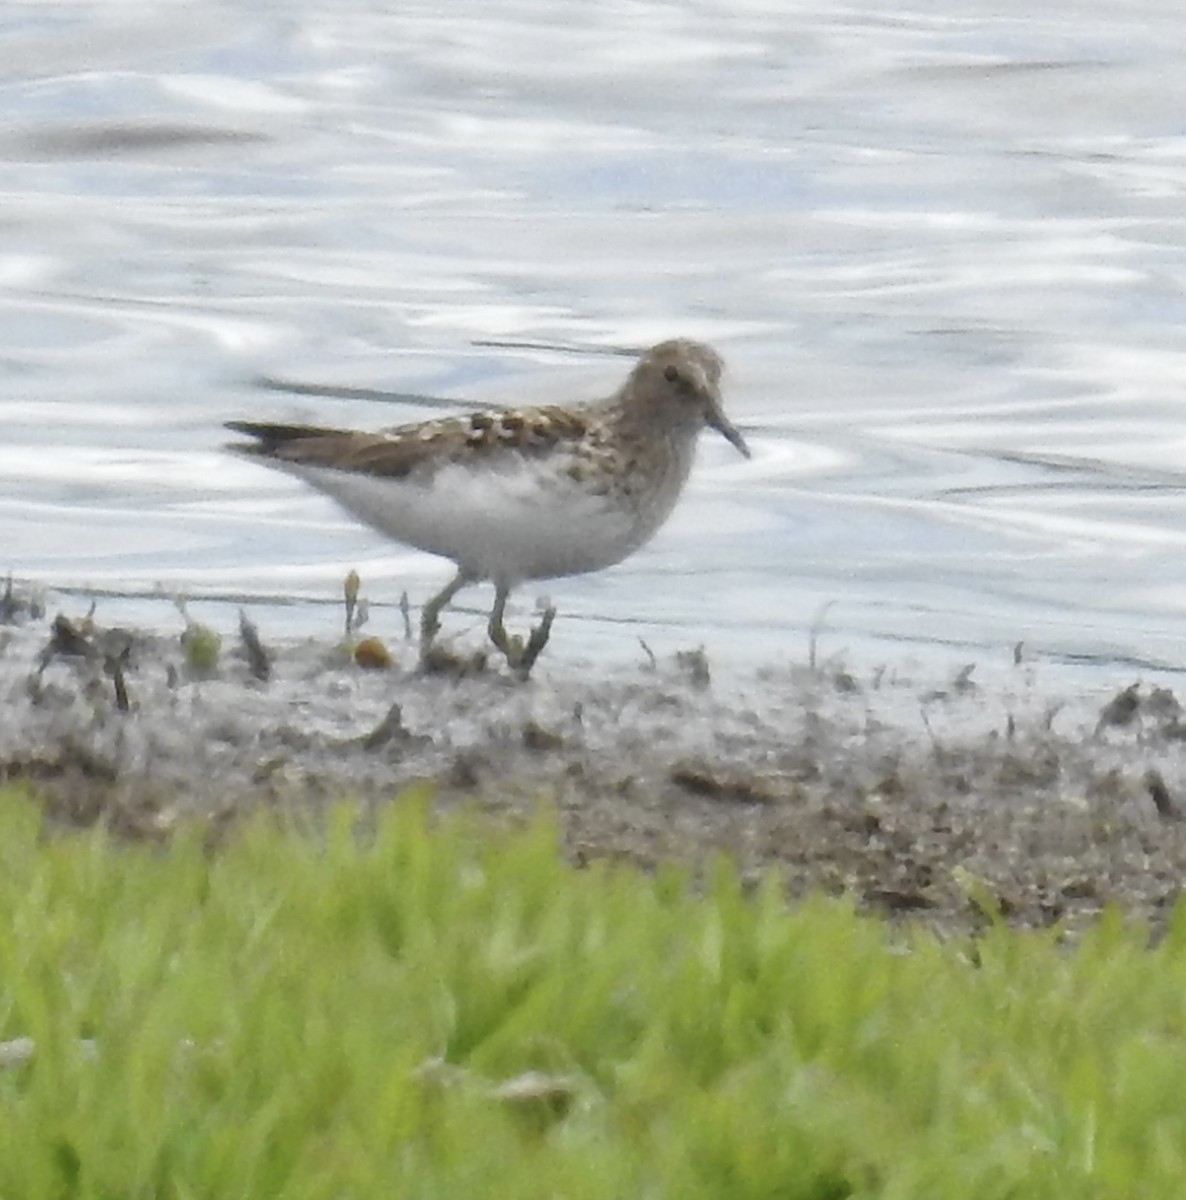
{"type": "Point", "coordinates": [938, 800]}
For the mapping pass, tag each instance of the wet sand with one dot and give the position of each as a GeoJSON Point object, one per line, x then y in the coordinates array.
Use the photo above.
{"type": "Point", "coordinates": [935, 800]}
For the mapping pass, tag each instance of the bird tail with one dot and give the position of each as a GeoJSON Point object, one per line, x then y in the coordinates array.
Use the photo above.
{"type": "Point", "coordinates": [270, 438]}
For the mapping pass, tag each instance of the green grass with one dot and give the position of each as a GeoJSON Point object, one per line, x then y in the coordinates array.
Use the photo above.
{"type": "Point", "coordinates": [299, 1016]}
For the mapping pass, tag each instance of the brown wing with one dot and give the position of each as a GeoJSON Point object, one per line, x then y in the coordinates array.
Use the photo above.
{"type": "Point", "coordinates": [395, 453]}
{"type": "Point", "coordinates": [398, 452]}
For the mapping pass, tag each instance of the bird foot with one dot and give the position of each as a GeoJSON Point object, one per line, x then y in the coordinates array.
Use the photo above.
{"type": "Point", "coordinates": [520, 655]}
{"type": "Point", "coordinates": [536, 641]}
{"type": "Point", "coordinates": [430, 626]}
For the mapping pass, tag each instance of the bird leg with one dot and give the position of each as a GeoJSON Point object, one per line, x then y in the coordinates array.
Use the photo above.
{"type": "Point", "coordinates": [430, 617]}
{"type": "Point", "coordinates": [520, 657]}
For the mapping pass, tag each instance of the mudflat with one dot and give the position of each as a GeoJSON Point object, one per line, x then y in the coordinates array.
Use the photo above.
{"type": "Point", "coordinates": [995, 793]}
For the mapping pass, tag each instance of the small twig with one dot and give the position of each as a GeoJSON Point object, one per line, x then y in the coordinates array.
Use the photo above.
{"type": "Point", "coordinates": [938, 749]}
{"type": "Point", "coordinates": [817, 627]}
{"type": "Point", "coordinates": [963, 680]}
{"type": "Point", "coordinates": [114, 666]}
{"type": "Point", "coordinates": [258, 659]}
{"type": "Point", "coordinates": [392, 726]}
{"type": "Point", "coordinates": [350, 591]}
{"type": "Point", "coordinates": [405, 611]}
{"type": "Point", "coordinates": [1167, 810]}
{"type": "Point", "coordinates": [1052, 711]}
{"type": "Point", "coordinates": [115, 648]}
{"type": "Point", "coordinates": [654, 662]}
{"type": "Point", "coordinates": [8, 606]}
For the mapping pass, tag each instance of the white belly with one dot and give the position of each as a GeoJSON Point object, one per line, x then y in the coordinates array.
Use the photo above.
{"type": "Point", "coordinates": [521, 521]}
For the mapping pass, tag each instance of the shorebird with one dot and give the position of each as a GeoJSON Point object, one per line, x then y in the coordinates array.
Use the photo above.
{"type": "Point", "coordinates": [512, 494]}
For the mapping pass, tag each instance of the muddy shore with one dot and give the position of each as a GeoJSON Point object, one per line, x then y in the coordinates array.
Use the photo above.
{"type": "Point", "coordinates": [930, 799]}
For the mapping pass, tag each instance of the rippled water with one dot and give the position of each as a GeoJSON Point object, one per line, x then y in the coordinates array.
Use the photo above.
{"type": "Point", "coordinates": [944, 255]}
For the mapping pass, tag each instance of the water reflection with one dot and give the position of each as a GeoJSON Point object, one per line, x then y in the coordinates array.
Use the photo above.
{"type": "Point", "coordinates": [943, 255]}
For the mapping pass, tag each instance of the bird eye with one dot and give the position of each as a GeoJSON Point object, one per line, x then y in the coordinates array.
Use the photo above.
{"type": "Point", "coordinates": [670, 374]}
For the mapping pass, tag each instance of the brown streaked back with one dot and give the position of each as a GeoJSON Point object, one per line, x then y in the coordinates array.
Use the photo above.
{"type": "Point", "coordinates": [397, 452]}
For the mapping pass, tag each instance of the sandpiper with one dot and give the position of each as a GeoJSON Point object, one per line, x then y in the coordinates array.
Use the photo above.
{"type": "Point", "coordinates": [511, 494]}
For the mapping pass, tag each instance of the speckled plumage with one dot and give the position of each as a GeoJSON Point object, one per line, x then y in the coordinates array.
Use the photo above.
{"type": "Point", "coordinates": [517, 494]}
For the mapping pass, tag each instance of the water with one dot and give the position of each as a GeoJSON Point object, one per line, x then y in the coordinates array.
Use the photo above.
{"type": "Point", "coordinates": [943, 254]}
